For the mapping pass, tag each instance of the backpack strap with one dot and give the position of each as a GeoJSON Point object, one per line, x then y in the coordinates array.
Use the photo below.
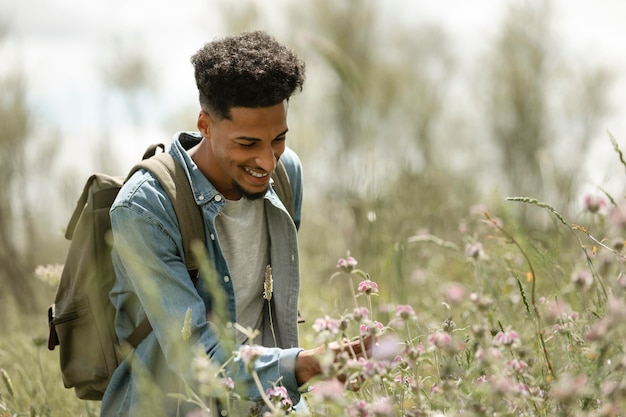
{"type": "Point", "coordinates": [282, 186]}
{"type": "Point", "coordinates": [173, 179]}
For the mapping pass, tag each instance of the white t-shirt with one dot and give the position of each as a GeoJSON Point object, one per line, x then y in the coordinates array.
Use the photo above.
{"type": "Point", "coordinates": [243, 236]}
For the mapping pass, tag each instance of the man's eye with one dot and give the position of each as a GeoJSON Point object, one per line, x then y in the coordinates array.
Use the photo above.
{"type": "Point", "coordinates": [246, 144]}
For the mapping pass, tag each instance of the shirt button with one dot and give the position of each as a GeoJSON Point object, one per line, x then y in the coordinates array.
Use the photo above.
{"type": "Point", "coordinates": [218, 198]}
{"type": "Point", "coordinates": [212, 236]}
{"type": "Point", "coordinates": [226, 278]}
{"type": "Point", "coordinates": [200, 197]}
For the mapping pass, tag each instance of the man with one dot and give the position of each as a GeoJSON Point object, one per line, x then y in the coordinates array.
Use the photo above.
{"type": "Point", "coordinates": [244, 82]}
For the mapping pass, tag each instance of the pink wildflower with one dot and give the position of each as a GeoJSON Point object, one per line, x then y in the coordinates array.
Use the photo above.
{"type": "Point", "coordinates": [488, 355]}
{"type": "Point", "coordinates": [517, 365]}
{"type": "Point", "coordinates": [368, 287]}
{"type": "Point", "coordinates": [361, 313]}
{"type": "Point", "coordinates": [382, 408]}
{"type": "Point", "coordinates": [474, 250]}
{"type": "Point", "coordinates": [387, 347]}
{"type": "Point", "coordinates": [507, 339]}
{"type": "Point", "coordinates": [328, 390]}
{"type": "Point", "coordinates": [248, 355]}
{"type": "Point", "coordinates": [326, 324]}
{"type": "Point", "coordinates": [582, 279]}
{"type": "Point", "coordinates": [441, 340]}
{"type": "Point", "coordinates": [358, 408]}
{"type": "Point", "coordinates": [278, 395]}
{"type": "Point", "coordinates": [371, 328]}
{"type": "Point", "coordinates": [455, 293]}
{"type": "Point", "coordinates": [347, 264]}
{"type": "Point", "coordinates": [593, 204]}
{"type": "Point", "coordinates": [405, 312]}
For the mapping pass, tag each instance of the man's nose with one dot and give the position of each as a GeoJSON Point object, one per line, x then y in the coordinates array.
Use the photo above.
{"type": "Point", "coordinates": [267, 159]}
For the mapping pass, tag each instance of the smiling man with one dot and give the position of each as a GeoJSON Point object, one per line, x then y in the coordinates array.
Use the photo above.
{"type": "Point", "coordinates": [244, 82]}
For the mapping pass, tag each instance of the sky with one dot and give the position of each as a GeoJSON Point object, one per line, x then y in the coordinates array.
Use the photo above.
{"type": "Point", "coordinates": [61, 43]}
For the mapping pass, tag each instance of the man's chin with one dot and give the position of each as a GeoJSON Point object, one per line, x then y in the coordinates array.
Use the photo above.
{"type": "Point", "coordinates": [248, 195]}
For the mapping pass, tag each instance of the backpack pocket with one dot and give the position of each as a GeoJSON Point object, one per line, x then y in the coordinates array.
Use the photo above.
{"type": "Point", "coordinates": [87, 361]}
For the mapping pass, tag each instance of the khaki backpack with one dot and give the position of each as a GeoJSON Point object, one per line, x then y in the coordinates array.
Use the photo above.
{"type": "Point", "coordinates": [81, 320]}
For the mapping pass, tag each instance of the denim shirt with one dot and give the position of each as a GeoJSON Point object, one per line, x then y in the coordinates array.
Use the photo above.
{"type": "Point", "coordinates": [152, 281]}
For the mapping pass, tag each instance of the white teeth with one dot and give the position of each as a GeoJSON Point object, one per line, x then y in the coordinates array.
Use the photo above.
{"type": "Point", "coordinates": [256, 174]}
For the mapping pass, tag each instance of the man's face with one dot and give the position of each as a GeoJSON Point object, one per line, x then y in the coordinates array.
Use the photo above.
{"type": "Point", "coordinates": [244, 149]}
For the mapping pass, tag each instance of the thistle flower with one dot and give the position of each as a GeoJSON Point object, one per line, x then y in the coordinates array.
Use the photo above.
{"type": "Point", "coordinates": [268, 284]}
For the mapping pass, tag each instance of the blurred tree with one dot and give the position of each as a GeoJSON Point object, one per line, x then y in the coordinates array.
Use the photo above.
{"type": "Point", "coordinates": [128, 77]}
{"type": "Point", "coordinates": [15, 134]}
{"type": "Point", "coordinates": [542, 117]}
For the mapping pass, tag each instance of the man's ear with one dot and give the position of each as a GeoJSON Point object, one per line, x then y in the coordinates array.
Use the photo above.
{"type": "Point", "coordinates": [205, 122]}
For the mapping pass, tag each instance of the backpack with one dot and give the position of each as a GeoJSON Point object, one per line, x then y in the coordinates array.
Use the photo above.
{"type": "Point", "coordinates": [81, 320]}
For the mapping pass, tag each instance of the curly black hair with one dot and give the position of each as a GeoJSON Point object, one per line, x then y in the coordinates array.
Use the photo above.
{"type": "Point", "coordinates": [250, 69]}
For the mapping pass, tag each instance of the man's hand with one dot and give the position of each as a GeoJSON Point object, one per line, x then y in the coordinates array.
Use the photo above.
{"type": "Point", "coordinates": [307, 365]}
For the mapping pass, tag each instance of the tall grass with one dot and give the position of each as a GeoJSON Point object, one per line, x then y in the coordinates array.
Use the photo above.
{"type": "Point", "coordinates": [496, 320]}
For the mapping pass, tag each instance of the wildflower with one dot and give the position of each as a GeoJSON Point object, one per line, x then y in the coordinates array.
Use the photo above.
{"type": "Point", "coordinates": [582, 279]}
{"type": "Point", "coordinates": [516, 365]}
{"type": "Point", "coordinates": [186, 331]}
{"type": "Point", "coordinates": [371, 368]}
{"type": "Point", "coordinates": [441, 340]}
{"type": "Point", "coordinates": [347, 264]}
{"type": "Point", "coordinates": [507, 339]}
{"type": "Point", "coordinates": [387, 347]}
{"type": "Point", "coordinates": [593, 204]}
{"type": "Point", "coordinates": [358, 408]}
{"type": "Point", "coordinates": [405, 380]}
{"type": "Point", "coordinates": [268, 284]}
{"type": "Point", "coordinates": [372, 328]}
{"type": "Point", "coordinates": [474, 250]}
{"type": "Point", "coordinates": [405, 312]}
{"type": "Point", "coordinates": [248, 355]}
{"type": "Point", "coordinates": [488, 355]}
{"type": "Point", "coordinates": [569, 387]}
{"type": "Point", "coordinates": [382, 408]}
{"type": "Point", "coordinates": [49, 273]}
{"type": "Point", "coordinates": [368, 287]}
{"type": "Point", "coordinates": [483, 303]}
{"type": "Point", "coordinates": [618, 244]}
{"type": "Point", "coordinates": [278, 395]}
{"type": "Point", "coordinates": [330, 390]}
{"type": "Point", "coordinates": [228, 383]}
{"type": "Point", "coordinates": [326, 324]}
{"type": "Point", "coordinates": [455, 293]}
{"type": "Point", "coordinates": [360, 313]}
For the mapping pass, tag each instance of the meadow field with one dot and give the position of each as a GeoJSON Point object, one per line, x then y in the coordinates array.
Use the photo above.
{"type": "Point", "coordinates": [494, 320]}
